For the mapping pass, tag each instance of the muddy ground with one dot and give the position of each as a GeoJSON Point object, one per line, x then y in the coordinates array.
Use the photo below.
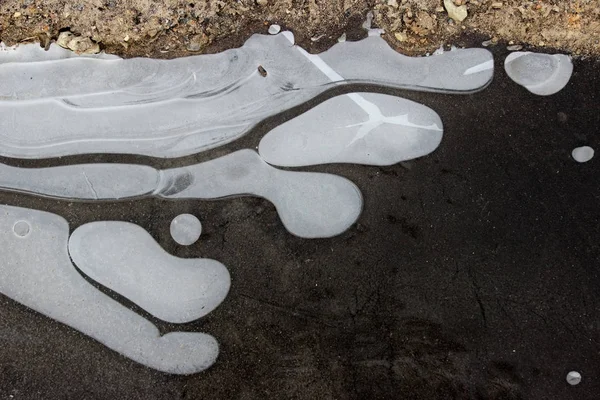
{"type": "Point", "coordinates": [173, 28]}
{"type": "Point", "coordinates": [472, 273]}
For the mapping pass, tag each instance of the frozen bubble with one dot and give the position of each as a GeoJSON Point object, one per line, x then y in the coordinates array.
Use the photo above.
{"type": "Point", "coordinates": [574, 378]}
{"type": "Point", "coordinates": [186, 229]}
{"type": "Point", "coordinates": [583, 154]}
{"type": "Point", "coordinates": [21, 228]}
{"type": "Point", "coordinates": [274, 29]}
{"type": "Point", "coordinates": [541, 74]}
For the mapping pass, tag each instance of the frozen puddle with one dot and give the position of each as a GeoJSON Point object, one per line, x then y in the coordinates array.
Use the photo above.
{"type": "Point", "coordinates": [171, 108]}
{"type": "Point", "coordinates": [541, 74]}
{"type": "Point", "coordinates": [186, 229]}
{"type": "Point", "coordinates": [310, 204]}
{"type": "Point", "coordinates": [365, 128]}
{"type": "Point", "coordinates": [125, 258]}
{"type": "Point", "coordinates": [35, 257]}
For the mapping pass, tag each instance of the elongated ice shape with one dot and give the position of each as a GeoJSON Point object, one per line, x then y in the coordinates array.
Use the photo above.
{"type": "Point", "coordinates": [171, 108]}
{"type": "Point", "coordinates": [125, 258]}
{"type": "Point", "coordinates": [541, 74]}
{"type": "Point", "coordinates": [35, 270]}
{"type": "Point", "coordinates": [310, 205]}
{"type": "Point", "coordinates": [384, 131]}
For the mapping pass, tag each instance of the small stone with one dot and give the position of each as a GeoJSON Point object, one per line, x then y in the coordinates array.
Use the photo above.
{"type": "Point", "coordinates": [16, 15]}
{"type": "Point", "coordinates": [515, 47]}
{"type": "Point", "coordinates": [83, 45]}
{"type": "Point", "coordinates": [457, 13]}
{"type": "Point", "coordinates": [574, 378]}
{"type": "Point", "coordinates": [262, 2]}
{"type": "Point", "coordinates": [487, 43]}
{"type": "Point", "coordinates": [64, 38]}
{"type": "Point", "coordinates": [274, 29]}
{"type": "Point", "coordinates": [342, 38]}
{"type": "Point", "coordinates": [392, 3]}
{"type": "Point", "coordinates": [400, 36]}
{"type": "Point", "coordinates": [497, 5]}
{"type": "Point", "coordinates": [197, 42]}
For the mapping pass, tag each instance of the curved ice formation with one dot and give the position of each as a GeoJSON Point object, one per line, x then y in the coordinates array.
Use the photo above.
{"type": "Point", "coordinates": [390, 130]}
{"type": "Point", "coordinates": [186, 229]}
{"type": "Point", "coordinates": [541, 74]}
{"type": "Point", "coordinates": [171, 108]}
{"type": "Point", "coordinates": [125, 258]}
{"type": "Point", "coordinates": [36, 271]}
{"type": "Point", "coordinates": [310, 204]}
{"type": "Point", "coordinates": [28, 53]}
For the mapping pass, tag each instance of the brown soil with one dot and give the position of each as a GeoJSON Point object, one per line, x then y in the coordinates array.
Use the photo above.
{"type": "Point", "coordinates": [172, 28]}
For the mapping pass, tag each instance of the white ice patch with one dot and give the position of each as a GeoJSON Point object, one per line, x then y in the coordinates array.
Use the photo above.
{"type": "Point", "coordinates": [274, 29]}
{"type": "Point", "coordinates": [387, 131]}
{"type": "Point", "coordinates": [37, 272]}
{"type": "Point", "coordinates": [541, 74]}
{"type": "Point", "coordinates": [574, 378]}
{"type": "Point", "coordinates": [310, 204]}
{"type": "Point", "coordinates": [583, 154]}
{"type": "Point", "coordinates": [186, 229]}
{"type": "Point", "coordinates": [125, 258]}
{"type": "Point", "coordinates": [172, 108]}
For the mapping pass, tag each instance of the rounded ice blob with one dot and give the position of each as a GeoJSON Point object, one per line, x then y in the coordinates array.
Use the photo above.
{"type": "Point", "coordinates": [541, 74]}
{"type": "Point", "coordinates": [574, 378]}
{"type": "Point", "coordinates": [186, 229]}
{"type": "Point", "coordinates": [274, 29]}
{"type": "Point", "coordinates": [357, 128]}
{"type": "Point", "coordinates": [583, 154]}
{"type": "Point", "coordinates": [21, 228]}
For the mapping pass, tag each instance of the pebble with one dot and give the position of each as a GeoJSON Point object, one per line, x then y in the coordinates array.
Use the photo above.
{"type": "Point", "coordinates": [342, 38]}
{"type": "Point", "coordinates": [83, 45]}
{"type": "Point", "coordinates": [16, 15]}
{"type": "Point", "coordinates": [515, 47]}
{"type": "Point", "coordinates": [497, 5]}
{"type": "Point", "coordinates": [197, 42]}
{"type": "Point", "coordinates": [262, 2]}
{"type": "Point", "coordinates": [64, 38]}
{"type": "Point", "coordinates": [274, 29]}
{"type": "Point", "coordinates": [574, 378]}
{"type": "Point", "coordinates": [400, 36]}
{"type": "Point", "coordinates": [457, 13]}
{"type": "Point", "coordinates": [581, 155]}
